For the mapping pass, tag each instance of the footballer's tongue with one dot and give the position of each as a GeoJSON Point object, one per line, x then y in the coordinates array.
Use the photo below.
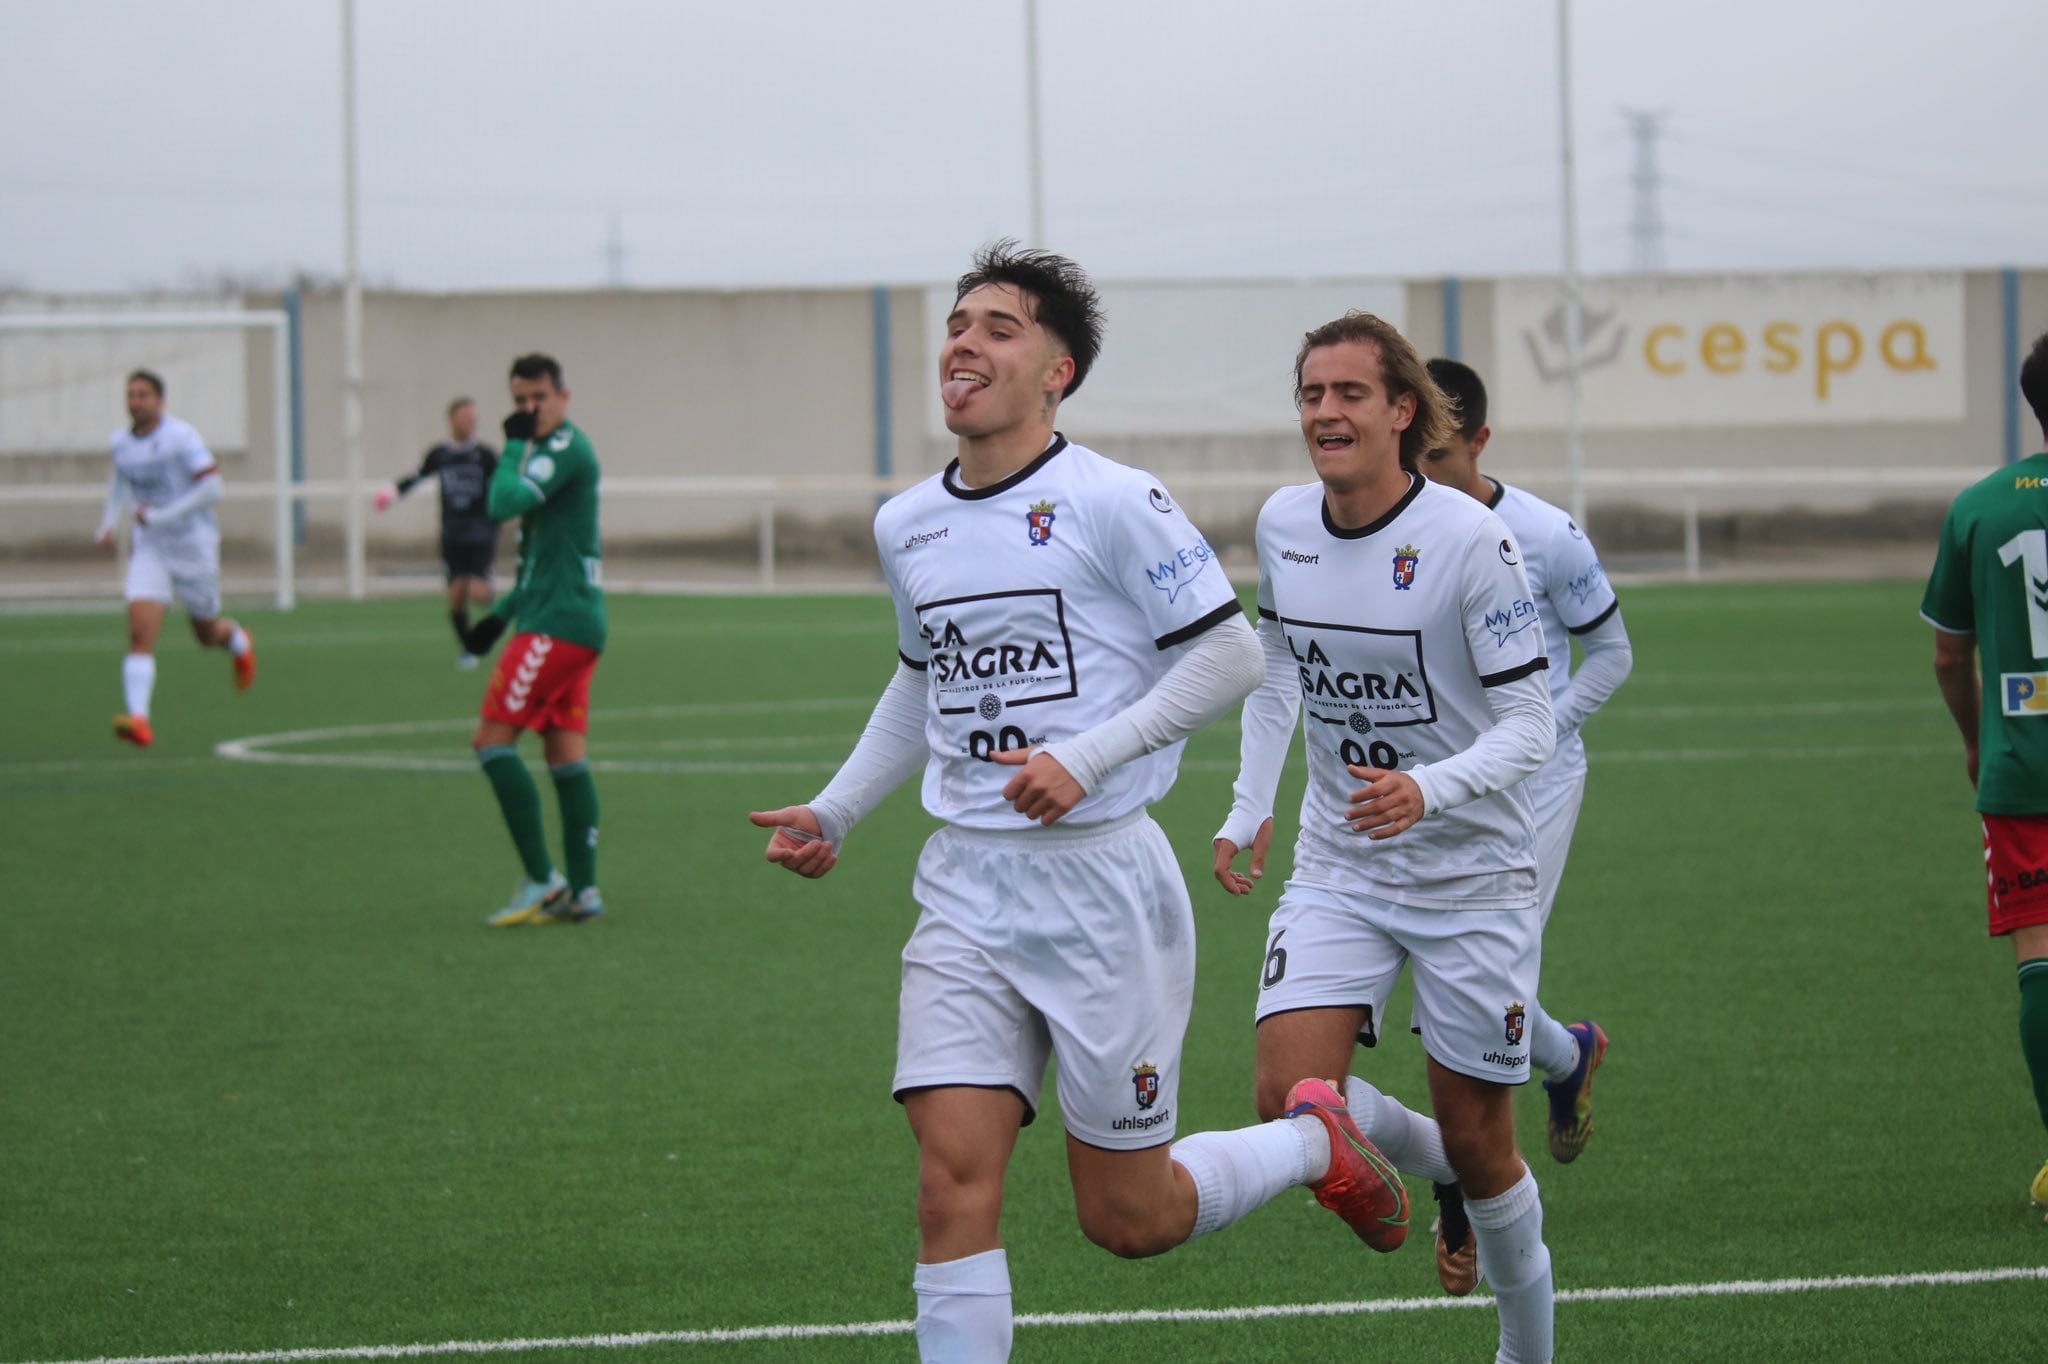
{"type": "Point", "coordinates": [955, 392]}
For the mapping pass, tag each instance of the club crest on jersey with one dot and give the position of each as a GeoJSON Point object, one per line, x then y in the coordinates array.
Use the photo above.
{"type": "Point", "coordinates": [1038, 523]}
{"type": "Point", "coordinates": [1515, 1018]}
{"type": "Point", "coordinates": [1404, 567]}
{"type": "Point", "coordinates": [1145, 1079]}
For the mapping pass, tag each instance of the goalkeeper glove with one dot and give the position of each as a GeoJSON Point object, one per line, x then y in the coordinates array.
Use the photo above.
{"type": "Point", "coordinates": [479, 638]}
{"type": "Point", "coordinates": [519, 426]}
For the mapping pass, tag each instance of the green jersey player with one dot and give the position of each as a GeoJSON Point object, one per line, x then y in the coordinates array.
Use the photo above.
{"type": "Point", "coordinates": [1987, 600]}
{"type": "Point", "coordinates": [547, 478]}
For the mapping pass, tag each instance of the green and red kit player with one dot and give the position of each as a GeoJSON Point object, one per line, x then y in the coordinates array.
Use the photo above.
{"type": "Point", "coordinates": [1987, 600]}
{"type": "Point", "coordinates": [548, 478]}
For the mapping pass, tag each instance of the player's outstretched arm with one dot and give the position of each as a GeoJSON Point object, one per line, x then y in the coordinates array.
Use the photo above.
{"type": "Point", "coordinates": [1267, 726]}
{"type": "Point", "coordinates": [1214, 671]}
{"type": "Point", "coordinates": [891, 748]}
{"type": "Point", "coordinates": [1609, 660]}
{"type": "Point", "coordinates": [203, 493]}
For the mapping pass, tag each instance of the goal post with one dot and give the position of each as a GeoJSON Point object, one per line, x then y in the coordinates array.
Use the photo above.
{"type": "Point", "coordinates": [281, 490]}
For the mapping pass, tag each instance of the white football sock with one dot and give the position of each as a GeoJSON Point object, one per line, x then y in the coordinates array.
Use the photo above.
{"type": "Point", "coordinates": [1412, 1143]}
{"type": "Point", "coordinates": [238, 642]}
{"type": "Point", "coordinates": [138, 680]}
{"type": "Point", "coordinates": [963, 1309]}
{"type": "Point", "coordinates": [1551, 1046]}
{"type": "Point", "coordinates": [1509, 1230]}
{"type": "Point", "coordinates": [1237, 1172]}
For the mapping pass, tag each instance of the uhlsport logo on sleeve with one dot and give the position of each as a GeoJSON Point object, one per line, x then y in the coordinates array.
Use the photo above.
{"type": "Point", "coordinates": [2025, 693]}
{"type": "Point", "coordinates": [1038, 523]}
{"type": "Point", "coordinates": [1405, 559]}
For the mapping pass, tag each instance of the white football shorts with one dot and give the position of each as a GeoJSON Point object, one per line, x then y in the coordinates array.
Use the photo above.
{"type": "Point", "coordinates": [1475, 971]}
{"type": "Point", "coordinates": [1556, 801]}
{"type": "Point", "coordinates": [190, 574]}
{"type": "Point", "coordinates": [1075, 943]}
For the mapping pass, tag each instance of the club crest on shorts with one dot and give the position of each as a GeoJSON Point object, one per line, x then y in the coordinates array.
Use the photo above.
{"type": "Point", "coordinates": [1404, 567]}
{"type": "Point", "coordinates": [1145, 1079]}
{"type": "Point", "coordinates": [1039, 523]}
{"type": "Point", "coordinates": [1515, 1019]}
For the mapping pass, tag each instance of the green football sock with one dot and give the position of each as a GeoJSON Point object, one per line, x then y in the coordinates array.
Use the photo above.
{"type": "Point", "coordinates": [519, 798]}
{"type": "Point", "coordinates": [2034, 1027]}
{"type": "Point", "coordinates": [578, 795]}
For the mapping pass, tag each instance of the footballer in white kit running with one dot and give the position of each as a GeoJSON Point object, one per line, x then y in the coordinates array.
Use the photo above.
{"type": "Point", "coordinates": [166, 480]}
{"type": "Point", "coordinates": [1575, 603]}
{"type": "Point", "coordinates": [1403, 642]}
{"type": "Point", "coordinates": [1061, 628]}
{"type": "Point", "coordinates": [1401, 635]}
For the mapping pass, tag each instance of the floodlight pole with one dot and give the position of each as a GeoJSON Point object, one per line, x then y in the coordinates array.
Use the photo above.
{"type": "Point", "coordinates": [1574, 424]}
{"type": "Point", "coordinates": [351, 310]}
{"type": "Point", "coordinates": [1032, 132]}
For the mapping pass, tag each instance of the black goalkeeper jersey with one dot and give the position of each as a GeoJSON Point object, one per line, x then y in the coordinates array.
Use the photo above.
{"type": "Point", "coordinates": [465, 474]}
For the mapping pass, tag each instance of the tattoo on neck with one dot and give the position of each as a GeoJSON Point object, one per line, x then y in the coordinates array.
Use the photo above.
{"type": "Point", "coordinates": [1051, 402]}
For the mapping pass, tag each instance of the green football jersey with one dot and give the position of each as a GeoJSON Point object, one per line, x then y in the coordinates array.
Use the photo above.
{"type": "Point", "coordinates": [1990, 579]}
{"type": "Point", "coordinates": [551, 486]}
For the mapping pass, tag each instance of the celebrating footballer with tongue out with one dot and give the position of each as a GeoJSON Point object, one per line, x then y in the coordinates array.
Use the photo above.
{"type": "Point", "coordinates": [1061, 629]}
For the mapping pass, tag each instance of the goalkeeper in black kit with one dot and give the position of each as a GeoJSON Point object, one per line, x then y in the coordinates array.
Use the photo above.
{"type": "Point", "coordinates": [469, 538]}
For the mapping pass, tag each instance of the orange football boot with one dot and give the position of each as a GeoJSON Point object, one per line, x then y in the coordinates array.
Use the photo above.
{"type": "Point", "coordinates": [134, 729]}
{"type": "Point", "coordinates": [245, 666]}
{"type": "Point", "coordinates": [1360, 1186]}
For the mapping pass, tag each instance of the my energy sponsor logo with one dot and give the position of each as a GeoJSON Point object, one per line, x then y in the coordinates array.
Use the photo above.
{"type": "Point", "coordinates": [1586, 584]}
{"type": "Point", "coordinates": [1512, 619]}
{"type": "Point", "coordinates": [1295, 556]}
{"type": "Point", "coordinates": [1178, 569]}
{"type": "Point", "coordinates": [924, 537]}
{"type": "Point", "coordinates": [2025, 693]}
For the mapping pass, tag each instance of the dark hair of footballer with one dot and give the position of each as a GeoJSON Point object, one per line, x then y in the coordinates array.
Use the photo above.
{"type": "Point", "coordinates": [1062, 300]}
{"type": "Point", "coordinates": [1401, 371]}
{"type": "Point", "coordinates": [538, 366]}
{"type": "Point", "coordinates": [2034, 380]}
{"type": "Point", "coordinates": [1460, 383]}
{"type": "Point", "coordinates": [149, 377]}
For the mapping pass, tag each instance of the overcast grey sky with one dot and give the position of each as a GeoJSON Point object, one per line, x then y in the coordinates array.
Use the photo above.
{"type": "Point", "coordinates": [154, 142]}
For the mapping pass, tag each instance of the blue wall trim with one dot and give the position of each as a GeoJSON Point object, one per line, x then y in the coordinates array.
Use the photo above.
{"type": "Point", "coordinates": [885, 435]}
{"type": "Point", "coordinates": [2009, 293]}
{"type": "Point", "coordinates": [1454, 318]}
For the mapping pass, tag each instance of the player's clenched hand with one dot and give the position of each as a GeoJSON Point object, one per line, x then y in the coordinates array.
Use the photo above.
{"type": "Point", "coordinates": [1234, 881]}
{"type": "Point", "coordinates": [1044, 790]}
{"type": "Point", "coordinates": [1387, 804]}
{"type": "Point", "coordinates": [798, 843]}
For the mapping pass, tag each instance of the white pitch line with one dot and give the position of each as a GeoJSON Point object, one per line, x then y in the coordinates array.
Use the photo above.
{"type": "Point", "coordinates": [1265, 1312]}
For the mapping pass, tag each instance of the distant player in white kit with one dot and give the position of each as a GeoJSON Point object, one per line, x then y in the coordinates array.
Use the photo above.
{"type": "Point", "coordinates": [1402, 639]}
{"type": "Point", "coordinates": [1061, 629]}
{"type": "Point", "coordinates": [166, 478]}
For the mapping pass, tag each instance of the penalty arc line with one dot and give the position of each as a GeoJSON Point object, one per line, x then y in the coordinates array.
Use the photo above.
{"type": "Point", "coordinates": [739, 1335]}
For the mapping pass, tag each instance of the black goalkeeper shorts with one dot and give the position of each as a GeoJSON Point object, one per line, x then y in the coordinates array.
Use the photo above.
{"type": "Point", "coordinates": [468, 558]}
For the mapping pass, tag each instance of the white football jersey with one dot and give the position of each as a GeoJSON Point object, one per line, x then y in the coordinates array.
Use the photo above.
{"type": "Point", "coordinates": [1572, 594]}
{"type": "Point", "coordinates": [1398, 629]}
{"type": "Point", "coordinates": [1038, 607]}
{"type": "Point", "coordinates": [158, 469]}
